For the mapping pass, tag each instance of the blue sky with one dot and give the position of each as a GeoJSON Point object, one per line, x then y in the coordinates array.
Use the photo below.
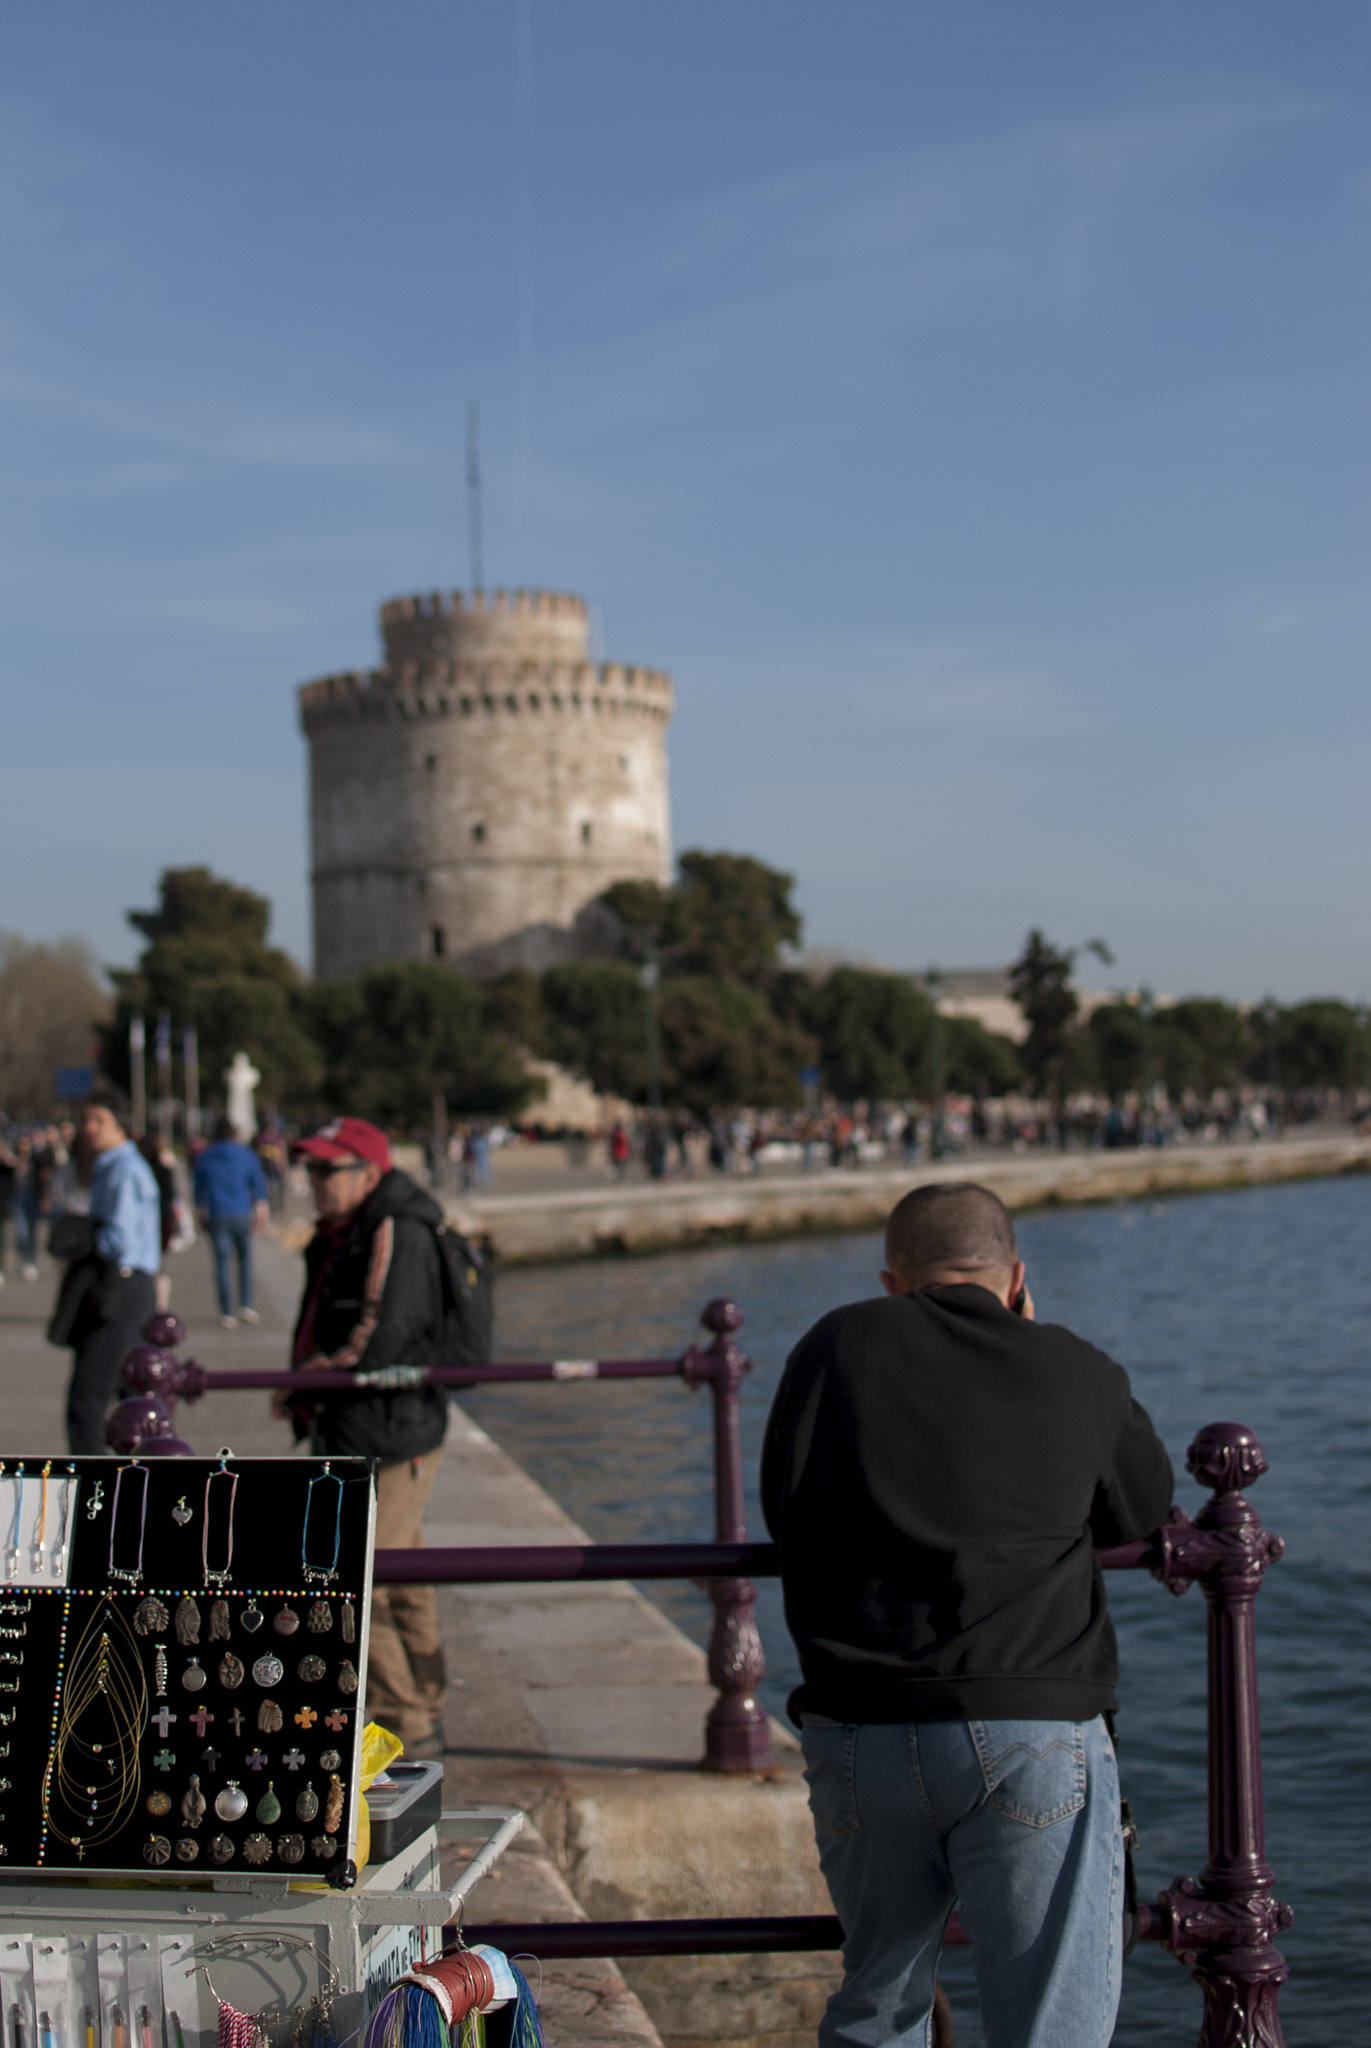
{"type": "Point", "coordinates": [968, 405]}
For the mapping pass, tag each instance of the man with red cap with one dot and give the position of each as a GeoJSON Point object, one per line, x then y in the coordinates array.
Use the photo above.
{"type": "Point", "coordinates": [374, 1297]}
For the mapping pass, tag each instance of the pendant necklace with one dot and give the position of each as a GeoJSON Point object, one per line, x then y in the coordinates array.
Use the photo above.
{"type": "Point", "coordinates": [59, 1549]}
{"type": "Point", "coordinates": [36, 1547]}
{"type": "Point", "coordinates": [217, 1574]}
{"type": "Point", "coordinates": [12, 1554]}
{"type": "Point", "coordinates": [130, 1573]}
{"type": "Point", "coordinates": [317, 1571]}
{"type": "Point", "coordinates": [92, 1782]}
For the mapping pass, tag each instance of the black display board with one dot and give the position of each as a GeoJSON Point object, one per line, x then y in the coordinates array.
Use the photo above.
{"type": "Point", "coordinates": [183, 1663]}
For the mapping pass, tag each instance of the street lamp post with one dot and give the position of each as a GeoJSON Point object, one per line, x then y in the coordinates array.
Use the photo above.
{"type": "Point", "coordinates": [933, 981]}
{"type": "Point", "coordinates": [650, 975]}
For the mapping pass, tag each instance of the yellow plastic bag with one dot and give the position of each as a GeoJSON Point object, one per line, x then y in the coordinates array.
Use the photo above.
{"type": "Point", "coordinates": [379, 1750]}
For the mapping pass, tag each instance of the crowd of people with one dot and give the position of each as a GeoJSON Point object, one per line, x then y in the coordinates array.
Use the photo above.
{"type": "Point", "coordinates": [841, 1138]}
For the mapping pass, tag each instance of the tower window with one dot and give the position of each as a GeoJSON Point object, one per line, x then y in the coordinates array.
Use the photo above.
{"type": "Point", "coordinates": [439, 942]}
{"type": "Point", "coordinates": [430, 762]}
{"type": "Point", "coordinates": [585, 833]}
{"type": "Point", "coordinates": [478, 833]}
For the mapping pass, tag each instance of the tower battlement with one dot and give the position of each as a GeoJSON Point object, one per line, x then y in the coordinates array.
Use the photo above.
{"type": "Point", "coordinates": [473, 795]}
{"type": "Point", "coordinates": [534, 625]}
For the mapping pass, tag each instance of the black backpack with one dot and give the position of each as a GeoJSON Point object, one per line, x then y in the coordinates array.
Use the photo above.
{"type": "Point", "coordinates": [468, 1333]}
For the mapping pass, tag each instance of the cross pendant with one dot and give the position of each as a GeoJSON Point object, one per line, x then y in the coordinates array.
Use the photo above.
{"type": "Point", "coordinates": [200, 1720]}
{"type": "Point", "coordinates": [162, 1721]}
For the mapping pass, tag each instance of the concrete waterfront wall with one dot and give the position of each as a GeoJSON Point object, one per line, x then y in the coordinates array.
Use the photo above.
{"type": "Point", "coordinates": [525, 1229]}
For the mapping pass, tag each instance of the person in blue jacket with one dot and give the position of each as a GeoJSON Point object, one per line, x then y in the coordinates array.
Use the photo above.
{"type": "Point", "coordinates": [231, 1197]}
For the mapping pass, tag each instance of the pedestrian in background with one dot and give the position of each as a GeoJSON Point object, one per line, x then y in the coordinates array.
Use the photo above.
{"type": "Point", "coordinates": [108, 1288]}
{"type": "Point", "coordinates": [230, 1191]}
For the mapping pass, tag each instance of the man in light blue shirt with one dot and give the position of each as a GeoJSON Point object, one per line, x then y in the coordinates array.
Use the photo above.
{"type": "Point", "coordinates": [126, 1211]}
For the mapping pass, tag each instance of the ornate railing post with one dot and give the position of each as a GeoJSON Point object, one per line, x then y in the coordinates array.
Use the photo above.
{"type": "Point", "coordinates": [1223, 1925]}
{"type": "Point", "coordinates": [737, 1732]}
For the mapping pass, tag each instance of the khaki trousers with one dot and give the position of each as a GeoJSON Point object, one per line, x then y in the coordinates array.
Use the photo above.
{"type": "Point", "coordinates": [405, 1661]}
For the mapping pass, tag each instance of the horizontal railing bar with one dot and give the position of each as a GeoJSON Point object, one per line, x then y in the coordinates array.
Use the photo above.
{"type": "Point", "coordinates": [795, 1934]}
{"type": "Point", "coordinates": [538, 1563]}
{"type": "Point", "coordinates": [532, 1564]}
{"type": "Point", "coordinates": [448, 1375]}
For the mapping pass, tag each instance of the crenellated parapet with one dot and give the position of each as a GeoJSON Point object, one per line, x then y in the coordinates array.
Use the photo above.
{"type": "Point", "coordinates": [493, 688]}
{"type": "Point", "coordinates": [532, 625]}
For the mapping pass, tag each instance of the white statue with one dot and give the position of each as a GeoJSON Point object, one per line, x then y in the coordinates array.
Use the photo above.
{"type": "Point", "coordinates": [241, 1080]}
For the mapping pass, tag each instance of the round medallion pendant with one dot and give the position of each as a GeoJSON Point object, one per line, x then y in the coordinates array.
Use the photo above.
{"type": "Point", "coordinates": [286, 1622]}
{"type": "Point", "coordinates": [231, 1803]}
{"type": "Point", "coordinates": [312, 1669]}
{"type": "Point", "coordinates": [268, 1670]}
{"type": "Point", "coordinates": [193, 1677]}
{"type": "Point", "coordinates": [221, 1849]}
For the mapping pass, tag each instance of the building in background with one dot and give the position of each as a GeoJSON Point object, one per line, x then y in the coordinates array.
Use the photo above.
{"type": "Point", "coordinates": [471, 798]}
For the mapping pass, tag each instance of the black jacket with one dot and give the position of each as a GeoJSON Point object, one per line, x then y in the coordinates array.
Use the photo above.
{"type": "Point", "coordinates": [374, 1298]}
{"type": "Point", "coordinates": [937, 1472]}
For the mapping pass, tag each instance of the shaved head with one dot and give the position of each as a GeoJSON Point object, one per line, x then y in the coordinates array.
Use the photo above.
{"type": "Point", "coordinates": [949, 1230]}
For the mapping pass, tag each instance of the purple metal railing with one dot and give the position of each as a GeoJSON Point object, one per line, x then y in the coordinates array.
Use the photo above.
{"type": "Point", "coordinates": [1222, 1925]}
{"type": "Point", "coordinates": [737, 1731]}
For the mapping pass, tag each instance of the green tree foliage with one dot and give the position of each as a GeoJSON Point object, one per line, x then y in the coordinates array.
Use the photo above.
{"type": "Point", "coordinates": [1200, 1043]}
{"type": "Point", "coordinates": [1041, 983]}
{"type": "Point", "coordinates": [723, 1045]}
{"type": "Point", "coordinates": [207, 963]}
{"type": "Point", "coordinates": [397, 1036]}
{"type": "Point", "coordinates": [1321, 1044]}
{"type": "Point", "coordinates": [597, 1025]}
{"type": "Point", "coordinates": [727, 917]}
{"type": "Point", "coordinates": [875, 1034]}
{"type": "Point", "coordinates": [514, 1009]}
{"type": "Point", "coordinates": [979, 1062]}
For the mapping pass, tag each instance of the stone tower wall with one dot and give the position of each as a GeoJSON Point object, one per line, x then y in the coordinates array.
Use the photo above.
{"type": "Point", "coordinates": [488, 782]}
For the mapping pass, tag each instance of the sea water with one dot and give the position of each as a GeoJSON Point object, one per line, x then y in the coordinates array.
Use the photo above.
{"type": "Point", "coordinates": [1250, 1307]}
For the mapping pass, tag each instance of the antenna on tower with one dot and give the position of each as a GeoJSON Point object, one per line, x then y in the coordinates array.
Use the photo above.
{"type": "Point", "coordinates": [474, 495]}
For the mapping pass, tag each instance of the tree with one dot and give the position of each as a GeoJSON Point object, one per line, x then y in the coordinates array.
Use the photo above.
{"type": "Point", "coordinates": [1321, 1044]}
{"type": "Point", "coordinates": [979, 1062]}
{"type": "Point", "coordinates": [723, 1046]}
{"type": "Point", "coordinates": [207, 963]}
{"type": "Point", "coordinates": [727, 917]}
{"type": "Point", "coordinates": [397, 1036]}
{"type": "Point", "coordinates": [1117, 1033]}
{"type": "Point", "coordinates": [597, 1025]}
{"type": "Point", "coordinates": [51, 1006]}
{"type": "Point", "coordinates": [875, 1034]}
{"type": "Point", "coordinates": [1201, 1043]}
{"type": "Point", "coordinates": [1040, 980]}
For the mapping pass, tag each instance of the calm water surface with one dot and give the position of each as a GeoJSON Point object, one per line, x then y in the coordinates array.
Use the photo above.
{"type": "Point", "coordinates": [1252, 1307]}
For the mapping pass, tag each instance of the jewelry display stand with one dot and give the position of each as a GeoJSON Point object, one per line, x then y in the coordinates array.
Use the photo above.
{"type": "Point", "coordinates": [149, 1966]}
{"type": "Point", "coordinates": [183, 1648]}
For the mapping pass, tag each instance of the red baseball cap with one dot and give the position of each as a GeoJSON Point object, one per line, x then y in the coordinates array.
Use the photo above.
{"type": "Point", "coordinates": [347, 1137]}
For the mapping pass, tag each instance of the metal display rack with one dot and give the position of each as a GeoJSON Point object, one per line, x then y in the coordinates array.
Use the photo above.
{"type": "Point", "coordinates": [154, 1959]}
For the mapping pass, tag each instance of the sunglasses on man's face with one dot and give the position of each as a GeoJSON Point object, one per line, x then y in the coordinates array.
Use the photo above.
{"type": "Point", "coordinates": [324, 1169]}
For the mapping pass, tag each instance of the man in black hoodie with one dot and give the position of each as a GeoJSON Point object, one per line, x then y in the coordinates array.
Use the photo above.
{"type": "Point", "coordinates": [938, 1472]}
{"type": "Point", "coordinates": [374, 1297]}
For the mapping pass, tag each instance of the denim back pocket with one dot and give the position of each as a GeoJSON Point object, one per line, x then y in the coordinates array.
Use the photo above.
{"type": "Point", "coordinates": [830, 1769]}
{"type": "Point", "coordinates": [1034, 1771]}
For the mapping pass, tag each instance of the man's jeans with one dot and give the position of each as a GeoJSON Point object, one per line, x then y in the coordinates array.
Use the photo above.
{"type": "Point", "coordinates": [1015, 1821]}
{"type": "Point", "coordinates": [232, 1234]}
